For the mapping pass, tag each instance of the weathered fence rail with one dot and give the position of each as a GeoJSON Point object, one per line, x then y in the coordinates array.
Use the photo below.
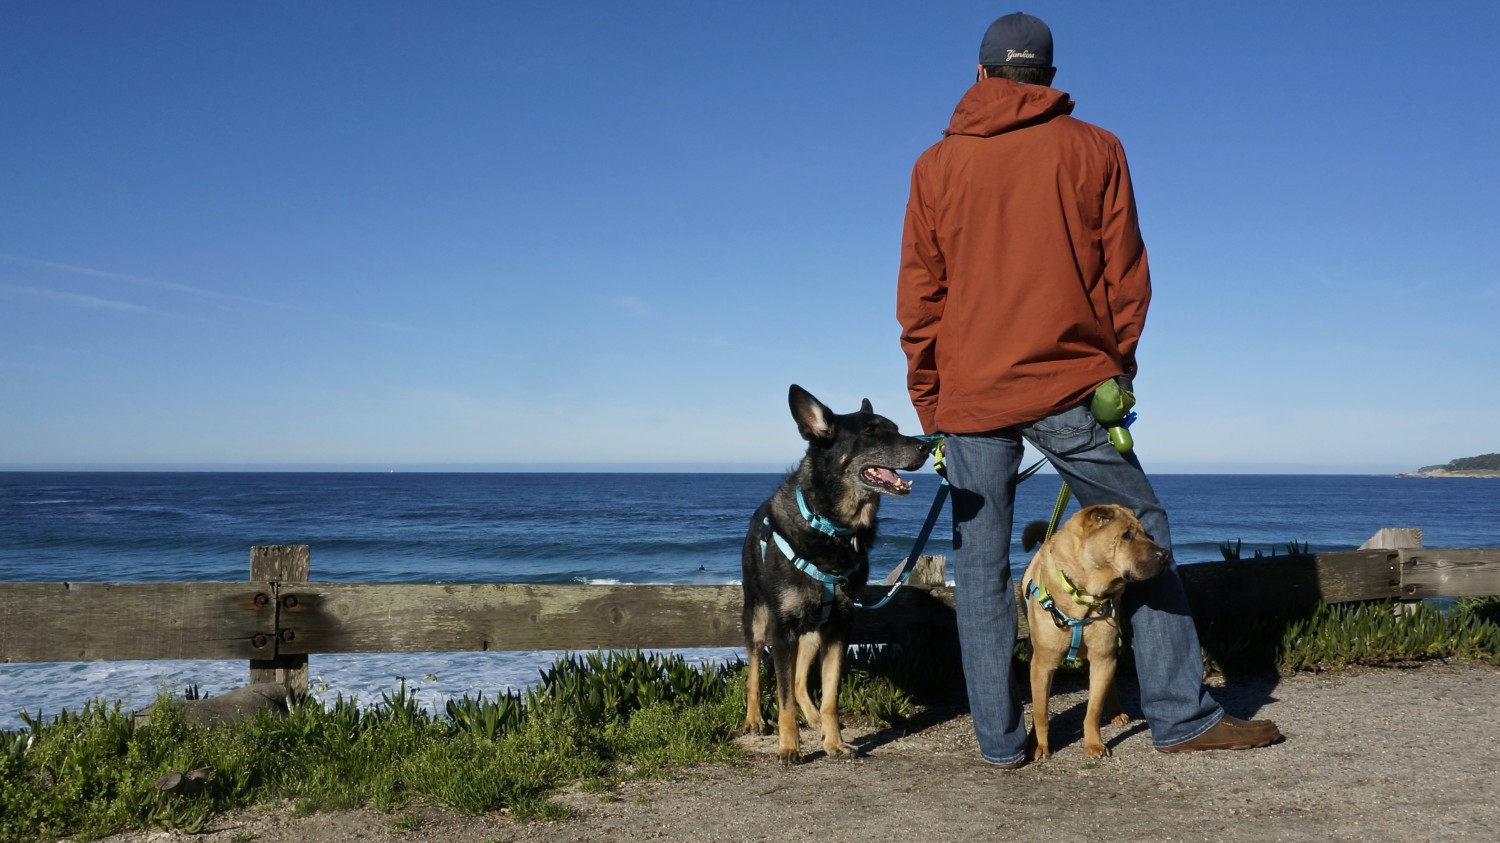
{"type": "Point", "coordinates": [279, 617]}
{"type": "Point", "coordinates": [1280, 582]}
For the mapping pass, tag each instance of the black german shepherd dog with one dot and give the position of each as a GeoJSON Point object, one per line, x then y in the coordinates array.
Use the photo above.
{"type": "Point", "coordinates": [807, 559]}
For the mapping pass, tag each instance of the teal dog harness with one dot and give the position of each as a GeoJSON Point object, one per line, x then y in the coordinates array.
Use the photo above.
{"type": "Point", "coordinates": [1065, 621]}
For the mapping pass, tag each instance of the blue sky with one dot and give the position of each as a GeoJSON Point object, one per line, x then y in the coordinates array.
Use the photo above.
{"type": "Point", "coordinates": [412, 234]}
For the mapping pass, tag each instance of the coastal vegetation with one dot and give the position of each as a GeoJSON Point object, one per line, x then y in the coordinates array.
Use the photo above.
{"type": "Point", "coordinates": [1482, 462]}
{"type": "Point", "coordinates": [1334, 637]}
{"type": "Point", "coordinates": [592, 719]}
{"type": "Point", "coordinates": [1484, 465]}
{"type": "Point", "coordinates": [1232, 552]}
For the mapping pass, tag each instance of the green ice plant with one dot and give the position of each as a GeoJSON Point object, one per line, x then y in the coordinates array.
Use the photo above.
{"type": "Point", "coordinates": [1234, 552]}
{"type": "Point", "coordinates": [593, 718]}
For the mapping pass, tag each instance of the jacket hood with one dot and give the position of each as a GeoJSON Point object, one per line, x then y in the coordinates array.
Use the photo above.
{"type": "Point", "coordinates": [994, 106]}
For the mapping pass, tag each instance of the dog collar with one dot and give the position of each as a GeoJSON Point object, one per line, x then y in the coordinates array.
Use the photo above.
{"type": "Point", "coordinates": [1081, 597]}
{"type": "Point", "coordinates": [818, 522]}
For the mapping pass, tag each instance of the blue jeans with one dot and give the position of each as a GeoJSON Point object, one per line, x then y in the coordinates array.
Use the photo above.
{"type": "Point", "coordinates": [982, 471]}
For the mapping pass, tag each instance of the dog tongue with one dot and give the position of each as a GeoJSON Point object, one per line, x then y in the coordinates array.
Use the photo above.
{"type": "Point", "coordinates": [886, 476]}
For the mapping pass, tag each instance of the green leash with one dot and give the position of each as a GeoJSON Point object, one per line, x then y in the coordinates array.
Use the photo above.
{"type": "Point", "coordinates": [1064, 495]}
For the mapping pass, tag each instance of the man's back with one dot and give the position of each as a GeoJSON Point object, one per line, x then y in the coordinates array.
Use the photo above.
{"type": "Point", "coordinates": [1024, 281]}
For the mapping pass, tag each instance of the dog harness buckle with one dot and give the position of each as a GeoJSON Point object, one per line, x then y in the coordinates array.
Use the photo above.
{"type": "Point", "coordinates": [1083, 598]}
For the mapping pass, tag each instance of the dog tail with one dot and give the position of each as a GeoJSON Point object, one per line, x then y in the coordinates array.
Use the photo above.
{"type": "Point", "coordinates": [1033, 534]}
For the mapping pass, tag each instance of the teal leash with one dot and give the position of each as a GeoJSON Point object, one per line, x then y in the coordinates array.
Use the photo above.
{"type": "Point", "coordinates": [904, 570]}
{"type": "Point", "coordinates": [909, 564]}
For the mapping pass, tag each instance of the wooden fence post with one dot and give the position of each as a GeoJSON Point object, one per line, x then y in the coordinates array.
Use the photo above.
{"type": "Point", "coordinates": [1397, 538]}
{"type": "Point", "coordinates": [276, 564]}
{"type": "Point", "coordinates": [929, 570]}
{"type": "Point", "coordinates": [1394, 538]}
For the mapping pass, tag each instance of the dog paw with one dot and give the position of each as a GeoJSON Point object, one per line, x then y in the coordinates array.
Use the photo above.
{"type": "Point", "coordinates": [841, 750]}
{"type": "Point", "coordinates": [1120, 719]}
{"type": "Point", "coordinates": [755, 728]}
{"type": "Point", "coordinates": [789, 757]}
{"type": "Point", "coordinates": [1094, 752]}
{"type": "Point", "coordinates": [1036, 750]}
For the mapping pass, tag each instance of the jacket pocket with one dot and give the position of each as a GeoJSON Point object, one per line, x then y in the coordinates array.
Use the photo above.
{"type": "Point", "coordinates": [1069, 432]}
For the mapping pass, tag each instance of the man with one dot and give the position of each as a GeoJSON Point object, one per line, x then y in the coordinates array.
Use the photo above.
{"type": "Point", "coordinates": [1023, 287]}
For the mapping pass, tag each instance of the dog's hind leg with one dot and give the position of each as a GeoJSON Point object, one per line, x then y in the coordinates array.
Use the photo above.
{"type": "Point", "coordinates": [755, 724]}
{"type": "Point", "coordinates": [1101, 686]}
{"type": "Point", "coordinates": [808, 647]}
{"type": "Point", "coordinates": [1042, 669]}
{"type": "Point", "coordinates": [1113, 711]}
{"type": "Point", "coordinates": [784, 656]}
{"type": "Point", "coordinates": [833, 670]}
{"type": "Point", "coordinates": [755, 644]}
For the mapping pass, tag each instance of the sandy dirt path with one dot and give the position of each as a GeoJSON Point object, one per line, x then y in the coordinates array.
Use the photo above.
{"type": "Point", "coordinates": [1404, 753]}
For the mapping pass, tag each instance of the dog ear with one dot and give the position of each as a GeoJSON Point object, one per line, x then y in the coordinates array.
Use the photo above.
{"type": "Point", "coordinates": [814, 420]}
{"type": "Point", "coordinates": [865, 406]}
{"type": "Point", "coordinates": [1100, 515]}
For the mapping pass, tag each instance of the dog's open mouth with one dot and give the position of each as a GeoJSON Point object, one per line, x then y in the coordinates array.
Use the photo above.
{"type": "Point", "coordinates": [884, 480]}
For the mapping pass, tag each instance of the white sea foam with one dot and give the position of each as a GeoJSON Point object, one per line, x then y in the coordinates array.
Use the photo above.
{"type": "Point", "coordinates": [433, 678]}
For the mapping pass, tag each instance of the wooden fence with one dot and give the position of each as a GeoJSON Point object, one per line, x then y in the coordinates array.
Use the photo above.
{"type": "Point", "coordinates": [278, 617]}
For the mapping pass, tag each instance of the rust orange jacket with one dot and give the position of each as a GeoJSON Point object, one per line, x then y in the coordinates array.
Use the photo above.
{"type": "Point", "coordinates": [1023, 281]}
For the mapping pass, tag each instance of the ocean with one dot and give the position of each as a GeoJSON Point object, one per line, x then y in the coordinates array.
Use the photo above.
{"type": "Point", "coordinates": [559, 528]}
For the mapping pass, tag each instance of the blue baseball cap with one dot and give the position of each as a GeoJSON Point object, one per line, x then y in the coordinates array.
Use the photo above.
{"type": "Point", "coordinates": [1018, 40]}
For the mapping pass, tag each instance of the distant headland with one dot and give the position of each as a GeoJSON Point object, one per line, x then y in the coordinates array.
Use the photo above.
{"type": "Point", "coordinates": [1487, 465]}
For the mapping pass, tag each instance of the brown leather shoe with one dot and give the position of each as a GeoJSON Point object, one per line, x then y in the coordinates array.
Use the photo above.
{"type": "Point", "coordinates": [1229, 733]}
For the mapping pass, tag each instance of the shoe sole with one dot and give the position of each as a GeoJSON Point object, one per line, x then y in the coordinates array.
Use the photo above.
{"type": "Point", "coordinates": [1171, 750]}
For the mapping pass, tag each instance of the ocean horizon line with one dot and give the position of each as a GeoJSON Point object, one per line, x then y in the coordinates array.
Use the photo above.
{"type": "Point", "coordinates": [1377, 469]}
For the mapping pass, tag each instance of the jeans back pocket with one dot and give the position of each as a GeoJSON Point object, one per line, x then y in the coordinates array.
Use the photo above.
{"type": "Point", "coordinates": [1068, 432]}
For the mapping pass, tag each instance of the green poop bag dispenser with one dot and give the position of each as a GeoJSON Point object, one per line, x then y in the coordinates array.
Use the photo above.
{"type": "Point", "coordinates": [1110, 404]}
